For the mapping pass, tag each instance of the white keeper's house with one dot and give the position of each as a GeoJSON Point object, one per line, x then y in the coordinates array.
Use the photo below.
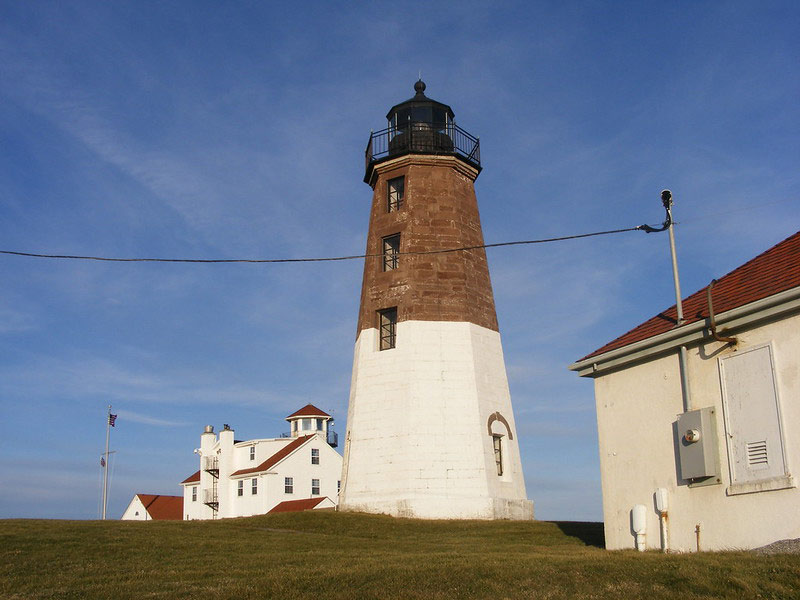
{"type": "Point", "coordinates": [245, 478]}
{"type": "Point", "coordinates": [699, 422]}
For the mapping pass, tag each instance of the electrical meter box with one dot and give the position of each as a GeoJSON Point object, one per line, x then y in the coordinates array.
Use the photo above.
{"type": "Point", "coordinates": [697, 446]}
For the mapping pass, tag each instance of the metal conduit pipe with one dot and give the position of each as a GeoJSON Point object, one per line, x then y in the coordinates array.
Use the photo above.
{"type": "Point", "coordinates": [685, 393]}
{"type": "Point", "coordinates": [713, 322]}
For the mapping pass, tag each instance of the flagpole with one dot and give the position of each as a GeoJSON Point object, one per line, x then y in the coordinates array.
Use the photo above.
{"type": "Point", "coordinates": [105, 467]}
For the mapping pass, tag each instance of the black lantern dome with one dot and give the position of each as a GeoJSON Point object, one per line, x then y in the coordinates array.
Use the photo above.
{"type": "Point", "coordinates": [421, 126]}
{"type": "Point", "coordinates": [420, 109]}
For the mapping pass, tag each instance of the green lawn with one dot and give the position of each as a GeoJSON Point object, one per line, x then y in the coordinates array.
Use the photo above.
{"type": "Point", "coordinates": [339, 555]}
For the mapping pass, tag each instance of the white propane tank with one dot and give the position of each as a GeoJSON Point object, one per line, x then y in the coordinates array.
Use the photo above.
{"type": "Point", "coordinates": [662, 500]}
{"type": "Point", "coordinates": [639, 521]}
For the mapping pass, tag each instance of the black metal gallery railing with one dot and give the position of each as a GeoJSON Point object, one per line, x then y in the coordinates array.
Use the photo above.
{"type": "Point", "coordinates": [423, 138]}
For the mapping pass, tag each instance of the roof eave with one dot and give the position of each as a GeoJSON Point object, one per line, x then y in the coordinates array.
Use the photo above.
{"type": "Point", "coordinates": [771, 306]}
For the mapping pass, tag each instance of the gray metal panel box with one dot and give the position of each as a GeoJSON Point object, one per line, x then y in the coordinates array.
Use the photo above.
{"type": "Point", "coordinates": [697, 444]}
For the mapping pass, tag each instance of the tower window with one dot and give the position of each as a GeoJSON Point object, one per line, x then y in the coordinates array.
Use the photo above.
{"type": "Point", "coordinates": [252, 452]}
{"type": "Point", "coordinates": [388, 328]}
{"type": "Point", "coordinates": [391, 251]}
{"type": "Point", "coordinates": [498, 453]}
{"type": "Point", "coordinates": [396, 192]}
{"type": "Point", "coordinates": [240, 488]}
{"type": "Point", "coordinates": [288, 485]}
{"type": "Point", "coordinates": [194, 493]}
{"type": "Point", "coordinates": [315, 456]}
{"type": "Point", "coordinates": [315, 487]}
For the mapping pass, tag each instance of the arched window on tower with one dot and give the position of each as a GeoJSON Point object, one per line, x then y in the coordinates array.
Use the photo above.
{"type": "Point", "coordinates": [500, 433]}
{"type": "Point", "coordinates": [497, 442]}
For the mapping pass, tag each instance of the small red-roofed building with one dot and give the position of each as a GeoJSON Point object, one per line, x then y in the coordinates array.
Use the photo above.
{"type": "Point", "coordinates": [246, 478]}
{"type": "Point", "coordinates": [306, 504]}
{"type": "Point", "coordinates": [699, 422]}
{"type": "Point", "coordinates": [154, 507]}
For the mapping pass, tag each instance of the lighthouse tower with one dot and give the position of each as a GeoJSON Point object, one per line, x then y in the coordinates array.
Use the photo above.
{"type": "Point", "coordinates": [430, 429]}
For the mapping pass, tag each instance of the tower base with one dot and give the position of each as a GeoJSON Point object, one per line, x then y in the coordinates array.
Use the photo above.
{"type": "Point", "coordinates": [445, 507]}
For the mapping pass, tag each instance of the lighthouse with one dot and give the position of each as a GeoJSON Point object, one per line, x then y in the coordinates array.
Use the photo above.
{"type": "Point", "coordinates": [430, 427]}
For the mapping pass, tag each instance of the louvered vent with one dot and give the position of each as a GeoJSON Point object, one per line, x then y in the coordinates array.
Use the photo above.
{"type": "Point", "coordinates": [757, 455]}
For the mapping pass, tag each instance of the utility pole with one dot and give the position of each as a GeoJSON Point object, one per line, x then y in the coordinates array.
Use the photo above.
{"type": "Point", "coordinates": [666, 199]}
{"type": "Point", "coordinates": [668, 225]}
{"type": "Point", "coordinates": [109, 424]}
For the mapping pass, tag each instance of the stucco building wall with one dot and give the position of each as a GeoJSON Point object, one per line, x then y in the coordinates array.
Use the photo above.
{"type": "Point", "coordinates": [637, 409]}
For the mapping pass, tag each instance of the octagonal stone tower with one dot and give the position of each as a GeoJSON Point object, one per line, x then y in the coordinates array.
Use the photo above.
{"type": "Point", "coordinates": [430, 428]}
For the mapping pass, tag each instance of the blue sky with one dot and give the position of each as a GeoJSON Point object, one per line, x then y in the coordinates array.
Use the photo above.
{"type": "Point", "coordinates": [237, 130]}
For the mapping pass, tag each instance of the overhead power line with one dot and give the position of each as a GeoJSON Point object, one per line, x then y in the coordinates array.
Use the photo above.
{"type": "Point", "coordinates": [321, 259]}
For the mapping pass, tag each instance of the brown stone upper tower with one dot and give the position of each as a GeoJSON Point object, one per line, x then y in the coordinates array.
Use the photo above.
{"type": "Point", "coordinates": [430, 430]}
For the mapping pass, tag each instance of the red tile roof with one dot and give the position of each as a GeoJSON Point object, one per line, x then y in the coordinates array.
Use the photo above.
{"type": "Point", "coordinates": [774, 271]}
{"type": "Point", "coordinates": [309, 410]}
{"type": "Point", "coordinates": [275, 458]}
{"type": "Point", "coordinates": [192, 478]}
{"type": "Point", "coordinates": [297, 505]}
{"type": "Point", "coordinates": [163, 508]}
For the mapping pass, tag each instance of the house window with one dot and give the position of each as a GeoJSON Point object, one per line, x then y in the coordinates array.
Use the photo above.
{"type": "Point", "coordinates": [240, 488]}
{"type": "Point", "coordinates": [254, 488]}
{"type": "Point", "coordinates": [391, 251]}
{"type": "Point", "coordinates": [756, 452]}
{"type": "Point", "coordinates": [396, 189]}
{"type": "Point", "coordinates": [388, 328]}
{"type": "Point", "coordinates": [315, 456]}
{"type": "Point", "coordinates": [315, 487]}
{"type": "Point", "coordinates": [194, 493]}
{"type": "Point", "coordinates": [288, 485]}
{"type": "Point", "coordinates": [252, 452]}
{"type": "Point", "coordinates": [498, 453]}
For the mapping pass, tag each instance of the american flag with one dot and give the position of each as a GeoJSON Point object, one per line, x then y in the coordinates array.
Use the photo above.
{"type": "Point", "coordinates": [112, 419]}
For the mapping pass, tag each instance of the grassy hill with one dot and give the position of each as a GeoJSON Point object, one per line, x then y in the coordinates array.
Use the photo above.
{"type": "Point", "coordinates": [338, 555]}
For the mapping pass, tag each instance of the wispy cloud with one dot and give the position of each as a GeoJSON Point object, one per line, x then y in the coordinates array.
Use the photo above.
{"type": "Point", "coordinates": [127, 415]}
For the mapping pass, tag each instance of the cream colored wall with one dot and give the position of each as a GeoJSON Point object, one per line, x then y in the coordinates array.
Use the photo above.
{"type": "Point", "coordinates": [193, 510]}
{"type": "Point", "coordinates": [636, 409]}
{"type": "Point", "coordinates": [417, 443]}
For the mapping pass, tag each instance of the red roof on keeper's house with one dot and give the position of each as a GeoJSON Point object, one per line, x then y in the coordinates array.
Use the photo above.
{"type": "Point", "coordinates": [776, 270]}
{"type": "Point", "coordinates": [275, 458]}
{"type": "Point", "coordinates": [309, 410]}
{"type": "Point", "coordinates": [297, 505]}
{"type": "Point", "coordinates": [192, 478]}
{"type": "Point", "coordinates": [163, 508]}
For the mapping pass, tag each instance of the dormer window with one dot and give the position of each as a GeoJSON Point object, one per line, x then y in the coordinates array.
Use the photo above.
{"type": "Point", "coordinates": [252, 452]}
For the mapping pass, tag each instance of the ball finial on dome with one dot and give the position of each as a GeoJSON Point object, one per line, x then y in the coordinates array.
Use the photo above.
{"type": "Point", "coordinates": [419, 87]}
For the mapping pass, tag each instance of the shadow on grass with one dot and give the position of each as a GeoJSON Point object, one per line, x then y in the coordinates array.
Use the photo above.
{"type": "Point", "coordinates": [589, 533]}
